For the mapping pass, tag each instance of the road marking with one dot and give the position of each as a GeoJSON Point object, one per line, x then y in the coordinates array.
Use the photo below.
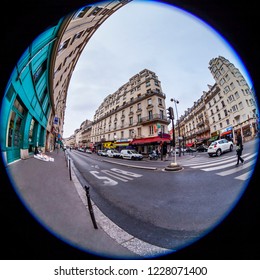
{"type": "Point", "coordinates": [127, 173]}
{"type": "Point", "coordinates": [236, 169]}
{"type": "Point", "coordinates": [216, 162]}
{"type": "Point", "coordinates": [117, 176]}
{"type": "Point", "coordinates": [226, 165]}
{"type": "Point", "coordinates": [116, 173]}
{"type": "Point", "coordinates": [107, 181]}
{"type": "Point", "coordinates": [244, 176]}
{"type": "Point", "coordinates": [198, 160]}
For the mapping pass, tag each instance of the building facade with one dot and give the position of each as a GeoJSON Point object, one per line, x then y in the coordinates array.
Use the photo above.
{"type": "Point", "coordinates": [239, 108]}
{"type": "Point", "coordinates": [229, 105]}
{"type": "Point", "coordinates": [133, 116]}
{"type": "Point", "coordinates": [27, 103]}
{"type": "Point", "coordinates": [34, 103]}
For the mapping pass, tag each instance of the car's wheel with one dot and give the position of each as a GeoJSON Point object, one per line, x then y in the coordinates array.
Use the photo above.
{"type": "Point", "coordinates": [231, 148]}
{"type": "Point", "coordinates": [218, 153]}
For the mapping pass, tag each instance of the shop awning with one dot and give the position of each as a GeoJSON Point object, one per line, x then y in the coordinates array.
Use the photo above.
{"type": "Point", "coordinates": [150, 140]}
{"type": "Point", "coordinates": [226, 132]}
{"type": "Point", "coordinates": [190, 144]}
{"type": "Point", "coordinates": [122, 144]}
{"type": "Point", "coordinates": [213, 138]}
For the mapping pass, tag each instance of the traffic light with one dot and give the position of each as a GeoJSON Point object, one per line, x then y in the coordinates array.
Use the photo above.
{"type": "Point", "coordinates": [170, 113]}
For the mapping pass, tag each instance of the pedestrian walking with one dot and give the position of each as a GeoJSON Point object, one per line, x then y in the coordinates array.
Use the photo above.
{"type": "Point", "coordinates": [239, 148]}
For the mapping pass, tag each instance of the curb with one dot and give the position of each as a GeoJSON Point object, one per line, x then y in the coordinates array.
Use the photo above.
{"type": "Point", "coordinates": [123, 238]}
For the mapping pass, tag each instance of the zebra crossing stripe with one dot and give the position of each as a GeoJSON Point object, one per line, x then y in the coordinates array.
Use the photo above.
{"type": "Point", "coordinates": [198, 160]}
{"type": "Point", "coordinates": [244, 176]}
{"type": "Point", "coordinates": [226, 165]}
{"type": "Point", "coordinates": [236, 169]}
{"type": "Point", "coordinates": [229, 159]}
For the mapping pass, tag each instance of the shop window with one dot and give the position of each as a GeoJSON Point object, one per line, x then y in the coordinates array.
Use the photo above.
{"type": "Point", "coordinates": [10, 93]}
{"type": "Point", "coordinates": [15, 129]}
{"type": "Point", "coordinates": [39, 72]}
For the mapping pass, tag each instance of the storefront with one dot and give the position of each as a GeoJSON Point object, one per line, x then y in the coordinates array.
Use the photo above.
{"type": "Point", "coordinates": [213, 137]}
{"type": "Point", "coordinates": [146, 145]}
{"type": "Point", "coordinates": [227, 133]}
{"type": "Point", "coordinates": [109, 145]}
{"type": "Point", "coordinates": [190, 144]}
{"type": "Point", "coordinates": [123, 144]}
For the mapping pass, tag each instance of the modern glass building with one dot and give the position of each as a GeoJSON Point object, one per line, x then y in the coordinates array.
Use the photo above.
{"type": "Point", "coordinates": [33, 106]}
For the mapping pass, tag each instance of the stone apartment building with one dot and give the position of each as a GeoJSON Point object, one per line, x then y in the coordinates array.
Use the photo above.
{"type": "Point", "coordinates": [134, 115]}
{"type": "Point", "coordinates": [75, 31]}
{"type": "Point", "coordinates": [240, 110]}
{"type": "Point", "coordinates": [229, 105]}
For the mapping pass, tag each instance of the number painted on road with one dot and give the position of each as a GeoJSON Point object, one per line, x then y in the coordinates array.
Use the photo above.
{"type": "Point", "coordinates": [127, 173]}
{"type": "Point", "coordinates": [116, 173]}
{"type": "Point", "coordinates": [107, 181]}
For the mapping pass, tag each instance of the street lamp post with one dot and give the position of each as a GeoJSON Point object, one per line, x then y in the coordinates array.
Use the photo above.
{"type": "Point", "coordinates": [173, 166]}
{"type": "Point", "coordinates": [177, 121]}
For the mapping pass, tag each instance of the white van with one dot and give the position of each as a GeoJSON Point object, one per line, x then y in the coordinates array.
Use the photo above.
{"type": "Point", "coordinates": [113, 153]}
{"type": "Point", "coordinates": [131, 154]}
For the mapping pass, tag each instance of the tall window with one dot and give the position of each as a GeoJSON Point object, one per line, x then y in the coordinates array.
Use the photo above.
{"type": "Point", "coordinates": [161, 114]}
{"type": "Point", "coordinates": [39, 72]}
{"type": "Point", "coordinates": [150, 114]}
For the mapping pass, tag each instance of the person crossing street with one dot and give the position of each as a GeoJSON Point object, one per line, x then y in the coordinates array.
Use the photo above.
{"type": "Point", "coordinates": [239, 148]}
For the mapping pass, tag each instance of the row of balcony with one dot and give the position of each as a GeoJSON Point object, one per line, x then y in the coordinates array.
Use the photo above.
{"type": "Point", "coordinates": [143, 121]}
{"type": "Point", "coordinates": [131, 102]}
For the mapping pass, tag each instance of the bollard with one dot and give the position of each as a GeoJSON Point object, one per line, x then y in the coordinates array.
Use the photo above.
{"type": "Point", "coordinates": [70, 169]}
{"type": "Point", "coordinates": [90, 208]}
{"type": "Point", "coordinates": [66, 159]}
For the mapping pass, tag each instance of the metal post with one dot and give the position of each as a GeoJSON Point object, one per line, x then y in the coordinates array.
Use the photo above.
{"type": "Point", "coordinates": [173, 140]}
{"type": "Point", "coordinates": [70, 169]}
{"type": "Point", "coordinates": [90, 208]}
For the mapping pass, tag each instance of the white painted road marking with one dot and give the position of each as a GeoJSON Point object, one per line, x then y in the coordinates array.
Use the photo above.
{"type": "Point", "coordinates": [117, 174]}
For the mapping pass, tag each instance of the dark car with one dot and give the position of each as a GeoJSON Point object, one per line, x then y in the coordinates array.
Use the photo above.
{"type": "Point", "coordinates": [202, 148]}
{"type": "Point", "coordinates": [190, 150]}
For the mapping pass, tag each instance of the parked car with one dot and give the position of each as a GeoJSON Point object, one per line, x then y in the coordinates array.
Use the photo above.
{"type": "Point", "coordinates": [202, 148]}
{"type": "Point", "coordinates": [102, 153]}
{"type": "Point", "coordinates": [131, 154]}
{"type": "Point", "coordinates": [113, 153]}
{"type": "Point", "coordinates": [219, 147]}
{"type": "Point", "coordinates": [88, 151]}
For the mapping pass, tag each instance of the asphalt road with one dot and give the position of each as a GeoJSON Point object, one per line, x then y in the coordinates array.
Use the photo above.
{"type": "Point", "coordinates": [164, 208]}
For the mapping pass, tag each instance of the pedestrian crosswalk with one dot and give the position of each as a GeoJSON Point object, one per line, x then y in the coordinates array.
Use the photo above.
{"type": "Point", "coordinates": [225, 165]}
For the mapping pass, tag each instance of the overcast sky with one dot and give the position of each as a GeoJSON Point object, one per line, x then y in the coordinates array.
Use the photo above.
{"type": "Point", "coordinates": [174, 44]}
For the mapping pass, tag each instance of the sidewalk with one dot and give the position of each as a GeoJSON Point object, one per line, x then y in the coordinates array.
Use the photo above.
{"type": "Point", "coordinates": [56, 201]}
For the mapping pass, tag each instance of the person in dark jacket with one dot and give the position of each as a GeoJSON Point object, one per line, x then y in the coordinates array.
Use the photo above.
{"type": "Point", "coordinates": [239, 148]}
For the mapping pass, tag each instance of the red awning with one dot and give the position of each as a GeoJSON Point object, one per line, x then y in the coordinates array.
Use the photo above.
{"type": "Point", "coordinates": [190, 144]}
{"type": "Point", "coordinates": [226, 133]}
{"type": "Point", "coordinates": [148, 140]}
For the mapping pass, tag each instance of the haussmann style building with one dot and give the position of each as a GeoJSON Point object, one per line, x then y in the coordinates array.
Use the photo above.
{"type": "Point", "coordinates": [133, 116]}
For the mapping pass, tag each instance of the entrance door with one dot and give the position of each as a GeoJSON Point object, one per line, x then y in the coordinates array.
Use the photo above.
{"type": "Point", "coordinates": [15, 135]}
{"type": "Point", "coordinates": [15, 132]}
